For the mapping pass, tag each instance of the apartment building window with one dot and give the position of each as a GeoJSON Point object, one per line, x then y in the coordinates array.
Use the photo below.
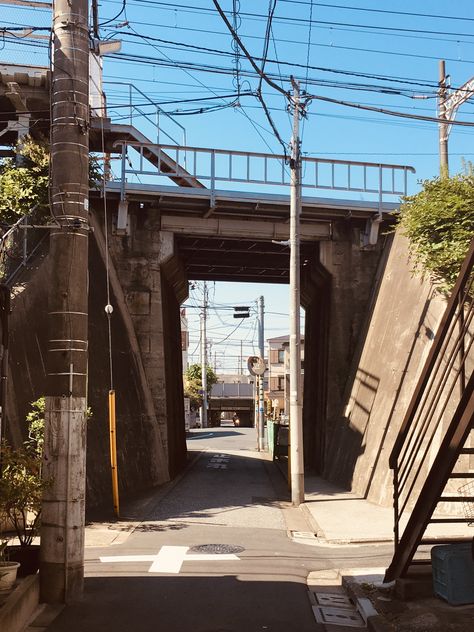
{"type": "Point", "coordinates": [277, 356]}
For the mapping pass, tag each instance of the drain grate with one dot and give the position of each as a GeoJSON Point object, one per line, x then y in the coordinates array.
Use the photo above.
{"type": "Point", "coordinates": [333, 599]}
{"type": "Point", "coordinates": [338, 616]}
{"type": "Point", "coordinates": [216, 549]}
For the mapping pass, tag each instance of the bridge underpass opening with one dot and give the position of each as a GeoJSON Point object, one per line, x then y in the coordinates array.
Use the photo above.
{"type": "Point", "coordinates": [261, 268]}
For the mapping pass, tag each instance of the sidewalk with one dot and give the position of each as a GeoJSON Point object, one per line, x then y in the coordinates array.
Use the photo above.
{"type": "Point", "coordinates": [341, 516]}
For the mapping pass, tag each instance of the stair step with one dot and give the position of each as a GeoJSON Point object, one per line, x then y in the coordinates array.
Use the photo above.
{"type": "Point", "coordinates": [450, 520]}
{"type": "Point", "coordinates": [462, 475]}
{"type": "Point", "coordinates": [444, 540]}
{"type": "Point", "coordinates": [456, 499]}
{"type": "Point", "coordinates": [467, 451]}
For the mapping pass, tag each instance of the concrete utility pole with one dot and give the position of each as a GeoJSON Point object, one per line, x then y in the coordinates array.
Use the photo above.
{"type": "Point", "coordinates": [443, 127]}
{"type": "Point", "coordinates": [296, 404]}
{"type": "Point", "coordinates": [62, 532]}
{"type": "Point", "coordinates": [203, 411]}
{"type": "Point", "coordinates": [448, 104]}
{"type": "Point", "coordinates": [261, 351]}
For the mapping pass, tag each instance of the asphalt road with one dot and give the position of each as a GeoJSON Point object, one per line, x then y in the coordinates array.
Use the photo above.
{"type": "Point", "coordinates": [246, 574]}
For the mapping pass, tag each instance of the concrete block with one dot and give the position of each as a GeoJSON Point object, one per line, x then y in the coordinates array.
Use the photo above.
{"type": "Point", "coordinates": [20, 605]}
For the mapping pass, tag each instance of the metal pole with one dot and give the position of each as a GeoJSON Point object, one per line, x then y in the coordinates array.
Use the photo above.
{"type": "Point", "coordinates": [4, 317]}
{"type": "Point", "coordinates": [64, 464]}
{"type": "Point", "coordinates": [443, 127]}
{"type": "Point", "coordinates": [296, 422]}
{"type": "Point", "coordinates": [113, 452]}
{"type": "Point", "coordinates": [204, 359]}
{"type": "Point", "coordinates": [261, 350]}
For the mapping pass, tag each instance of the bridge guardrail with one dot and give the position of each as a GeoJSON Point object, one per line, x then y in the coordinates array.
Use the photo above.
{"type": "Point", "coordinates": [219, 165]}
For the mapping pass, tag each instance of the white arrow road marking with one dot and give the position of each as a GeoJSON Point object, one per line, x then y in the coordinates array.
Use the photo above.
{"type": "Point", "coordinates": [170, 559]}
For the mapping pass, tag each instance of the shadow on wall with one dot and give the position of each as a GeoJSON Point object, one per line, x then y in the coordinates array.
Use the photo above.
{"type": "Point", "coordinates": [348, 440]}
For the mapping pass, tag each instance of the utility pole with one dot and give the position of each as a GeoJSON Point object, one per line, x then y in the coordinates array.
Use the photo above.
{"type": "Point", "coordinates": [296, 405]}
{"type": "Point", "coordinates": [203, 412]}
{"type": "Point", "coordinates": [261, 350]}
{"type": "Point", "coordinates": [95, 18]}
{"type": "Point", "coordinates": [448, 104]}
{"type": "Point", "coordinates": [443, 127]}
{"type": "Point", "coordinates": [62, 531]}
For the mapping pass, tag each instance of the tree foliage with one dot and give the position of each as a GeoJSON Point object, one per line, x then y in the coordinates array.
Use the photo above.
{"type": "Point", "coordinates": [439, 224]}
{"type": "Point", "coordinates": [24, 185]}
{"type": "Point", "coordinates": [193, 384]}
{"type": "Point", "coordinates": [24, 181]}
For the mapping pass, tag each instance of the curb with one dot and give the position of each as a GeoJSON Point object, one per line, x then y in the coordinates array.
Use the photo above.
{"type": "Point", "coordinates": [374, 621]}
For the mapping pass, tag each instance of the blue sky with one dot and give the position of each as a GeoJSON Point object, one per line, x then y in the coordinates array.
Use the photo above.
{"type": "Point", "coordinates": [366, 52]}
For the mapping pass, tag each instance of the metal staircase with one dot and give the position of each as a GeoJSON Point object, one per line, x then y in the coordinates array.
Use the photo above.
{"type": "Point", "coordinates": [112, 137]}
{"type": "Point", "coordinates": [432, 458]}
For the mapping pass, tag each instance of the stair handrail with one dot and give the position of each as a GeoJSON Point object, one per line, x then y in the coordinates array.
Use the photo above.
{"type": "Point", "coordinates": [440, 337]}
{"type": "Point", "coordinates": [22, 224]}
{"type": "Point", "coordinates": [438, 373]}
{"type": "Point", "coordinates": [158, 111]}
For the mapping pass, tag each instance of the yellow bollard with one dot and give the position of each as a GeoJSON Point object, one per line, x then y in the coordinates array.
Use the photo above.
{"type": "Point", "coordinates": [113, 452]}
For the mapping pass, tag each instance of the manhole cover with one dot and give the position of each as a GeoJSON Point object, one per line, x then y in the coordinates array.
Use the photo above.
{"type": "Point", "coordinates": [216, 548]}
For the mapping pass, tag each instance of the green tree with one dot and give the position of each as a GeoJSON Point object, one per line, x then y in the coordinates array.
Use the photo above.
{"type": "Point", "coordinates": [24, 184]}
{"type": "Point", "coordinates": [193, 384]}
{"type": "Point", "coordinates": [439, 224]}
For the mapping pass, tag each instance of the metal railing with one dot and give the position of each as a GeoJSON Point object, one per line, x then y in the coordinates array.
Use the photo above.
{"type": "Point", "coordinates": [17, 245]}
{"type": "Point", "coordinates": [219, 165]}
{"type": "Point", "coordinates": [137, 100]}
{"type": "Point", "coordinates": [434, 429]}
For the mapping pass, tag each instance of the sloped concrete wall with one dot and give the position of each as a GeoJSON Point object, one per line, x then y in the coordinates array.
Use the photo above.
{"type": "Point", "coordinates": [141, 462]}
{"type": "Point", "coordinates": [385, 370]}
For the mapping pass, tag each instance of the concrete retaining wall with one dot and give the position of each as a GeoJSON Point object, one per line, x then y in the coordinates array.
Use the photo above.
{"type": "Point", "coordinates": [399, 332]}
{"type": "Point", "coordinates": [142, 462]}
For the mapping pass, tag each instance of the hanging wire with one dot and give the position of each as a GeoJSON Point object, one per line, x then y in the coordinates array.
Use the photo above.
{"type": "Point", "coordinates": [108, 308]}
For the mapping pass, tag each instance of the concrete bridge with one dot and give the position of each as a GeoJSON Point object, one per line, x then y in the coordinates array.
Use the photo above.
{"type": "Point", "coordinates": [171, 214]}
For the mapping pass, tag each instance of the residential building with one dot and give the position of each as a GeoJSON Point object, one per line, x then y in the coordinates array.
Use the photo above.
{"type": "Point", "coordinates": [279, 374]}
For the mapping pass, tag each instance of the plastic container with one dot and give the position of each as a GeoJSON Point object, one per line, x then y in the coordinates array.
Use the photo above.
{"type": "Point", "coordinates": [453, 572]}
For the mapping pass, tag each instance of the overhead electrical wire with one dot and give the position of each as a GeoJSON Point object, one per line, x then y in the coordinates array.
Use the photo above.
{"type": "Point", "coordinates": [266, 40]}
{"type": "Point", "coordinates": [122, 10]}
{"type": "Point", "coordinates": [333, 46]}
{"type": "Point", "coordinates": [304, 21]}
{"type": "Point", "coordinates": [186, 46]}
{"type": "Point", "coordinates": [386, 11]}
{"type": "Point", "coordinates": [418, 117]}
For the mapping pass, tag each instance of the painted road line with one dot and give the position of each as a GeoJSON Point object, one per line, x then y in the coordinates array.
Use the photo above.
{"type": "Point", "coordinates": [170, 559]}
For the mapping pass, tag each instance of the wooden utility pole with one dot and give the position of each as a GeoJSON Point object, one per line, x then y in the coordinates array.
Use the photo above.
{"type": "Point", "coordinates": [62, 532]}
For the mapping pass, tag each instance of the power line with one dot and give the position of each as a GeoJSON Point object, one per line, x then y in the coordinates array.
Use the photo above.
{"type": "Point", "coordinates": [304, 21]}
{"type": "Point", "coordinates": [387, 11]}
{"type": "Point", "coordinates": [389, 78]}
{"type": "Point", "coordinates": [419, 117]}
{"type": "Point", "coordinates": [246, 53]}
